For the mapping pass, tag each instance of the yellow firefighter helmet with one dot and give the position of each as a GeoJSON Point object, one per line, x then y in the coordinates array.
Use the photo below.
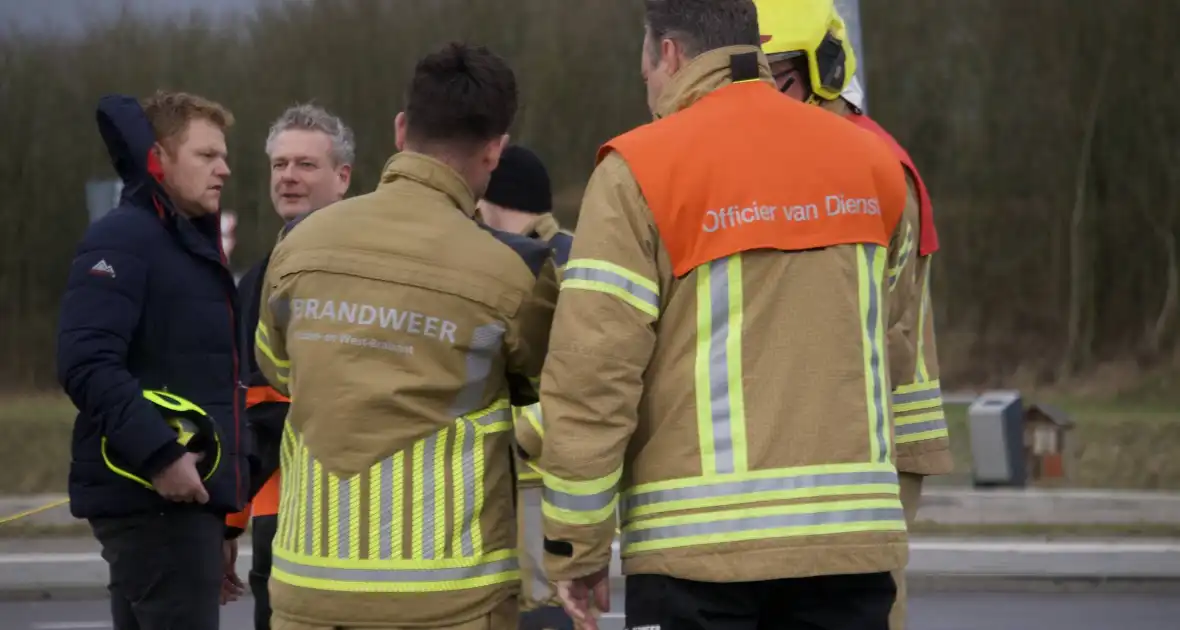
{"type": "Point", "coordinates": [194, 430]}
{"type": "Point", "coordinates": [812, 29]}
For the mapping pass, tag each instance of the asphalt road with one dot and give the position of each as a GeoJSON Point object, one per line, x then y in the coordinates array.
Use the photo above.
{"type": "Point", "coordinates": [932, 611]}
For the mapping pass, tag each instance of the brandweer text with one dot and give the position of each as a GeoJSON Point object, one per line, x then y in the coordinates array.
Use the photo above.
{"type": "Point", "coordinates": [410, 322]}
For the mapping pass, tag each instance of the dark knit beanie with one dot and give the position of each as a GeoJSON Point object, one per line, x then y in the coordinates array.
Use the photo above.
{"type": "Point", "coordinates": [520, 182]}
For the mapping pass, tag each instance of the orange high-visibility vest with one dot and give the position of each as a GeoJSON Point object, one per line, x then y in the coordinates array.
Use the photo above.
{"type": "Point", "coordinates": [744, 168]}
{"type": "Point", "coordinates": [927, 234]}
{"type": "Point", "coordinates": [266, 502]}
{"type": "Point", "coordinates": [259, 394]}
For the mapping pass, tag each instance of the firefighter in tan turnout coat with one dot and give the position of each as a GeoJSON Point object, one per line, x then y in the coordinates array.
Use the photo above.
{"type": "Point", "coordinates": [403, 331]}
{"type": "Point", "coordinates": [719, 371]}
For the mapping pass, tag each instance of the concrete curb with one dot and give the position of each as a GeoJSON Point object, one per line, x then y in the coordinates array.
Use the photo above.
{"type": "Point", "coordinates": [940, 504]}
{"type": "Point", "coordinates": [946, 505]}
{"type": "Point", "coordinates": [935, 563]}
{"type": "Point", "coordinates": [1101, 559]}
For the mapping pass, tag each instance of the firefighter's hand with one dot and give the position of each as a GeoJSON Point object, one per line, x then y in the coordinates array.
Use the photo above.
{"type": "Point", "coordinates": [231, 585]}
{"type": "Point", "coordinates": [181, 482]}
{"type": "Point", "coordinates": [582, 597]}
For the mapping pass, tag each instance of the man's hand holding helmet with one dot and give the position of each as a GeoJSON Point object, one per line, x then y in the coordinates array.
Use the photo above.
{"type": "Point", "coordinates": [181, 482]}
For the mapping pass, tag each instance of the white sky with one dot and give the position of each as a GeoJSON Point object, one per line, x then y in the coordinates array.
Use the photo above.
{"type": "Point", "coordinates": [72, 15]}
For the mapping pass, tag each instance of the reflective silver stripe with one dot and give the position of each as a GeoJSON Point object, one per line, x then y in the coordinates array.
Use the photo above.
{"type": "Point", "coordinates": [428, 490]}
{"type": "Point", "coordinates": [292, 477]}
{"type": "Point", "coordinates": [643, 294]}
{"type": "Point", "coordinates": [468, 466]}
{"type": "Point", "coordinates": [756, 523]}
{"type": "Point", "coordinates": [873, 321]}
{"type": "Point", "coordinates": [444, 471]}
{"type": "Point", "coordinates": [755, 486]}
{"type": "Point", "coordinates": [720, 404]}
{"type": "Point", "coordinates": [921, 427]}
{"type": "Point", "coordinates": [311, 515]}
{"type": "Point", "coordinates": [719, 401]}
{"type": "Point", "coordinates": [499, 415]}
{"type": "Point", "coordinates": [283, 536]}
{"type": "Point", "coordinates": [343, 523]}
{"type": "Point", "coordinates": [904, 398]}
{"type": "Point", "coordinates": [386, 517]}
{"type": "Point", "coordinates": [485, 345]}
{"type": "Point", "coordinates": [579, 502]}
{"type": "Point", "coordinates": [395, 575]}
{"type": "Point", "coordinates": [534, 542]}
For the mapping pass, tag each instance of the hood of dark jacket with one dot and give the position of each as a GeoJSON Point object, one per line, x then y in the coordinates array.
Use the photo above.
{"type": "Point", "coordinates": [129, 138]}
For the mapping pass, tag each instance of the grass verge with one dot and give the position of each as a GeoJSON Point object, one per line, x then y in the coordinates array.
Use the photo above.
{"type": "Point", "coordinates": [1050, 531]}
{"type": "Point", "coordinates": [1120, 445]}
{"type": "Point", "coordinates": [35, 435]}
{"type": "Point", "coordinates": [1117, 443]}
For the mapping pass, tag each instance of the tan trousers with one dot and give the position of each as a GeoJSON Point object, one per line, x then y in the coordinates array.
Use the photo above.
{"type": "Point", "coordinates": [911, 498]}
{"type": "Point", "coordinates": [504, 617]}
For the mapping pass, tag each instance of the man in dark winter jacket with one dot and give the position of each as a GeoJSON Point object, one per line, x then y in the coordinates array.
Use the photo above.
{"type": "Point", "coordinates": [310, 153]}
{"type": "Point", "coordinates": [151, 305]}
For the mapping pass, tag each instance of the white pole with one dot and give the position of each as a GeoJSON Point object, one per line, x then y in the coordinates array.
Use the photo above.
{"type": "Point", "coordinates": [850, 11]}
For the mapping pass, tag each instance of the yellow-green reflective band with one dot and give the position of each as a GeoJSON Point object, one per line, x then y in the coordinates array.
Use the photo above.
{"type": "Point", "coordinates": [919, 395]}
{"type": "Point", "coordinates": [921, 373]}
{"type": "Point", "coordinates": [870, 270]}
{"type": "Point", "coordinates": [168, 400]}
{"type": "Point", "coordinates": [721, 407]}
{"type": "Point", "coordinates": [609, 278]}
{"type": "Point", "coordinates": [532, 415]}
{"type": "Point", "coordinates": [763, 523]}
{"type": "Point", "coordinates": [903, 255]}
{"type": "Point", "coordinates": [282, 368]}
{"type": "Point", "coordinates": [918, 413]}
{"type": "Point", "coordinates": [485, 347]}
{"type": "Point", "coordinates": [580, 502]}
{"type": "Point", "coordinates": [807, 482]}
{"type": "Point", "coordinates": [927, 427]}
{"type": "Point", "coordinates": [321, 522]}
{"type": "Point", "coordinates": [396, 576]}
{"type": "Point", "coordinates": [262, 340]}
{"type": "Point", "coordinates": [529, 475]}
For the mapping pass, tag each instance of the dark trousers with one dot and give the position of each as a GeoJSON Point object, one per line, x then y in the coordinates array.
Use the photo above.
{"type": "Point", "coordinates": [545, 618]}
{"type": "Point", "coordinates": [263, 535]}
{"type": "Point", "coordinates": [834, 602]}
{"type": "Point", "coordinates": [165, 569]}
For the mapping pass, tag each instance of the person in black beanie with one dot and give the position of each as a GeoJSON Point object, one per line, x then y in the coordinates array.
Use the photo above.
{"type": "Point", "coordinates": [519, 199]}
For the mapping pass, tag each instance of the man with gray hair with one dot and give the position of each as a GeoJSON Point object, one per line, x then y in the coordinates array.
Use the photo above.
{"type": "Point", "coordinates": [311, 153]}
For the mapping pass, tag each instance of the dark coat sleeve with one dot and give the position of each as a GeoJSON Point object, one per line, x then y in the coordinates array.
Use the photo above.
{"type": "Point", "coordinates": [100, 313]}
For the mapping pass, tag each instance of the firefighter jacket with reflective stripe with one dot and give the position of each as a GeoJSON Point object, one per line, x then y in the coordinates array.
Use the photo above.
{"type": "Point", "coordinates": [718, 371]}
{"type": "Point", "coordinates": [529, 420]}
{"type": "Point", "coordinates": [923, 442]}
{"type": "Point", "coordinates": [403, 331]}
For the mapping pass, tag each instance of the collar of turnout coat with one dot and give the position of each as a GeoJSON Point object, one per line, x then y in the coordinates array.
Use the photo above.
{"type": "Point", "coordinates": [431, 173]}
{"type": "Point", "coordinates": [705, 73]}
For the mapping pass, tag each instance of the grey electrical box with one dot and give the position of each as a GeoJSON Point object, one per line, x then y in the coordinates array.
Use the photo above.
{"type": "Point", "coordinates": [995, 422]}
